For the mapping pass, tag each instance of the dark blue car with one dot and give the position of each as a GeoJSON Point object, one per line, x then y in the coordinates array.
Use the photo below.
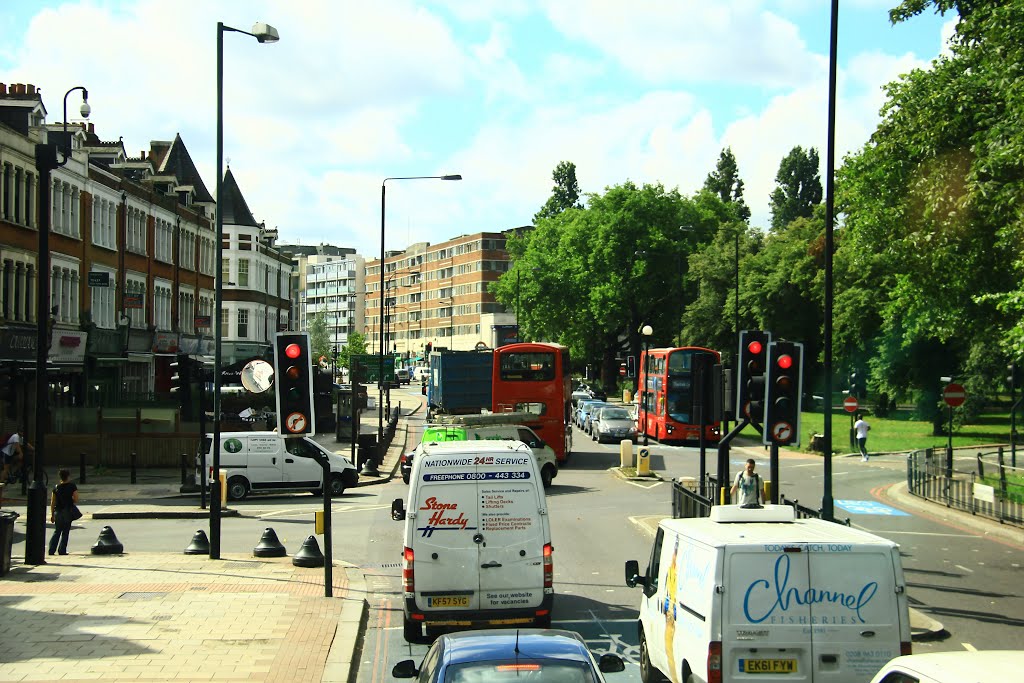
{"type": "Point", "coordinates": [544, 655]}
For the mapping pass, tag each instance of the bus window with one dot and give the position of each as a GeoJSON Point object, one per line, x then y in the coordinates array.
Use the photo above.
{"type": "Point", "coordinates": [527, 367]}
{"type": "Point", "coordinates": [532, 408]}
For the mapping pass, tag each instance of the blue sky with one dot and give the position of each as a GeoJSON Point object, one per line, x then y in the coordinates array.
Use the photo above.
{"type": "Point", "coordinates": [497, 90]}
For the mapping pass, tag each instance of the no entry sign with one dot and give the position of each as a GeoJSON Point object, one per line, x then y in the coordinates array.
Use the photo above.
{"type": "Point", "coordinates": [954, 394]}
{"type": "Point", "coordinates": [850, 404]}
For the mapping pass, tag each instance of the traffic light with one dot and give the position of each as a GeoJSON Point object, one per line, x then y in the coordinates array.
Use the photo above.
{"type": "Point", "coordinates": [181, 377]}
{"type": "Point", "coordinates": [701, 387]}
{"type": "Point", "coordinates": [630, 367]}
{"type": "Point", "coordinates": [1014, 376]}
{"type": "Point", "coordinates": [857, 385]}
{"type": "Point", "coordinates": [783, 393]}
{"type": "Point", "coordinates": [750, 375]}
{"type": "Point", "coordinates": [430, 347]}
{"type": "Point", "coordinates": [293, 382]}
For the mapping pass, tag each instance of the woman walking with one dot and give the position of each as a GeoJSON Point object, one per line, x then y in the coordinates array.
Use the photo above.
{"type": "Point", "coordinates": [63, 502]}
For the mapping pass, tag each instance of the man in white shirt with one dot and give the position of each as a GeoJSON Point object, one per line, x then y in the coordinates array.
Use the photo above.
{"type": "Point", "coordinates": [860, 431]}
{"type": "Point", "coordinates": [748, 483]}
{"type": "Point", "coordinates": [12, 455]}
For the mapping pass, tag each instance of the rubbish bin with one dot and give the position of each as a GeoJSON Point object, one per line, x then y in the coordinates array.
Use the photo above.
{"type": "Point", "coordinates": [7, 518]}
{"type": "Point", "coordinates": [367, 449]}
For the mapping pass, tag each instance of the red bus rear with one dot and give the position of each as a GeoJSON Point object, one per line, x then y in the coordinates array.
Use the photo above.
{"type": "Point", "coordinates": [666, 386]}
{"type": "Point", "coordinates": [534, 378]}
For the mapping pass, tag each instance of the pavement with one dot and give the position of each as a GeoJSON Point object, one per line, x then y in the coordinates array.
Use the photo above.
{"type": "Point", "coordinates": [135, 616]}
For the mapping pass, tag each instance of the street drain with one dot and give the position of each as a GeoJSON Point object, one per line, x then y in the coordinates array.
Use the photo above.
{"type": "Point", "coordinates": [141, 596]}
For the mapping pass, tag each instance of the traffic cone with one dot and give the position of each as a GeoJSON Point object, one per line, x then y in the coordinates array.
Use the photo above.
{"type": "Point", "coordinates": [309, 554]}
{"type": "Point", "coordinates": [269, 546]}
{"type": "Point", "coordinates": [107, 543]}
{"type": "Point", "coordinates": [200, 544]}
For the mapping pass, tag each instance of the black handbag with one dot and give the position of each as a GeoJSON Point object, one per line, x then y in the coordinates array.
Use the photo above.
{"type": "Point", "coordinates": [75, 513]}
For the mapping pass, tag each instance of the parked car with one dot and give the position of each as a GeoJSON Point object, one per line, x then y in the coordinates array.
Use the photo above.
{"type": "Point", "coordinates": [510, 655]}
{"type": "Point", "coordinates": [581, 395]}
{"type": "Point", "coordinates": [614, 424]}
{"type": "Point", "coordinates": [588, 415]}
{"type": "Point", "coordinates": [583, 410]}
{"type": "Point", "coordinates": [946, 667]}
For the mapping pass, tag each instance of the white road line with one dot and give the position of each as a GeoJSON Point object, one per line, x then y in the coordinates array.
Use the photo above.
{"type": "Point", "coordinates": [914, 533]}
{"type": "Point", "coordinates": [969, 647]}
{"type": "Point", "coordinates": [960, 566]}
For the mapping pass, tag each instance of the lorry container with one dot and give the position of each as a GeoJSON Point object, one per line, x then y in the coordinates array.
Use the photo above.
{"type": "Point", "coordinates": [459, 382]}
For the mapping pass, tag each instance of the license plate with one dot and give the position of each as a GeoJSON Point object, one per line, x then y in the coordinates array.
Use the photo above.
{"type": "Point", "coordinates": [768, 666]}
{"type": "Point", "coordinates": [448, 601]}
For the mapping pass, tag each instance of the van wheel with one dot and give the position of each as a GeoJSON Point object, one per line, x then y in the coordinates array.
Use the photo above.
{"type": "Point", "coordinates": [337, 485]}
{"type": "Point", "coordinates": [648, 674]}
{"type": "Point", "coordinates": [238, 488]}
{"type": "Point", "coordinates": [412, 631]}
{"type": "Point", "coordinates": [546, 475]}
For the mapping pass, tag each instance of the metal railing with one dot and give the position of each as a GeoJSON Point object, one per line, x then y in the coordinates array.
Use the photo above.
{"type": "Point", "coordinates": [687, 502]}
{"type": "Point", "coordinates": [927, 478]}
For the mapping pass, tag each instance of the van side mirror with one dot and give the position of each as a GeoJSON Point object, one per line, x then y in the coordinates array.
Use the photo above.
{"type": "Point", "coordinates": [398, 510]}
{"type": "Point", "coordinates": [633, 578]}
{"type": "Point", "coordinates": [610, 664]}
{"type": "Point", "coordinates": [406, 669]}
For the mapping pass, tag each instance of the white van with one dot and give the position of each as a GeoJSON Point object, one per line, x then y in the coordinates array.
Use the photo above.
{"type": "Point", "coordinates": [755, 593]}
{"type": "Point", "coordinates": [477, 538]}
{"type": "Point", "coordinates": [467, 431]}
{"type": "Point", "coordinates": [262, 461]}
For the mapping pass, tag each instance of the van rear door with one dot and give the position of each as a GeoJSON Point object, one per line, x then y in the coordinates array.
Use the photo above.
{"type": "Point", "coordinates": [810, 612]}
{"type": "Point", "coordinates": [766, 618]}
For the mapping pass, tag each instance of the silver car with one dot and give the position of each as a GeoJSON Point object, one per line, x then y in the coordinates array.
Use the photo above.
{"type": "Point", "coordinates": [612, 423]}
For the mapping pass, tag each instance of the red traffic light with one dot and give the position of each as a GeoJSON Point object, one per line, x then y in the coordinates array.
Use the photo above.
{"type": "Point", "coordinates": [293, 350]}
{"type": "Point", "coordinates": [785, 361]}
{"type": "Point", "coordinates": [755, 347]}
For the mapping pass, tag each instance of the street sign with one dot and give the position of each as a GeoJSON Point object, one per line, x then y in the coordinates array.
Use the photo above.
{"type": "Point", "coordinates": [133, 300]}
{"type": "Point", "coordinates": [954, 394]}
{"type": "Point", "coordinates": [367, 367]}
{"type": "Point", "coordinates": [850, 404]}
{"type": "Point", "coordinates": [202, 321]}
{"type": "Point", "coordinates": [99, 279]}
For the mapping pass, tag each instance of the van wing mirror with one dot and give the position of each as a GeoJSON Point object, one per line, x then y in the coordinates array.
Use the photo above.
{"type": "Point", "coordinates": [633, 578]}
{"type": "Point", "coordinates": [398, 514]}
{"type": "Point", "coordinates": [405, 669]}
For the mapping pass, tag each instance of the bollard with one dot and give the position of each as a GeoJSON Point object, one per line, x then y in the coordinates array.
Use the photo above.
{"type": "Point", "coordinates": [309, 554]}
{"type": "Point", "coordinates": [625, 453]}
{"type": "Point", "coordinates": [643, 464]}
{"type": "Point", "coordinates": [107, 543]}
{"type": "Point", "coordinates": [81, 468]}
{"type": "Point", "coordinates": [269, 546]}
{"type": "Point", "coordinates": [184, 469]}
{"type": "Point", "coordinates": [134, 477]}
{"type": "Point", "coordinates": [200, 544]}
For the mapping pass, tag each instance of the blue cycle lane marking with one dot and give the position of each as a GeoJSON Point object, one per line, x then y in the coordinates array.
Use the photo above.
{"type": "Point", "coordinates": [870, 507]}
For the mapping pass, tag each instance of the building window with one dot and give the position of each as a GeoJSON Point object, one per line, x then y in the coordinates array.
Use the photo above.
{"type": "Point", "coordinates": [243, 323]}
{"type": "Point", "coordinates": [243, 272]}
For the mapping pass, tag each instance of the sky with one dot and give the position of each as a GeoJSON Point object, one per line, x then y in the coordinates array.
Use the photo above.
{"type": "Point", "coordinates": [499, 91]}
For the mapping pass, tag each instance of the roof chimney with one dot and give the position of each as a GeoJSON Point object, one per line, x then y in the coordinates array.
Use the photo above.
{"type": "Point", "coordinates": [30, 89]}
{"type": "Point", "coordinates": [3, 88]}
{"type": "Point", "coordinates": [92, 128]}
{"type": "Point", "coordinates": [19, 88]}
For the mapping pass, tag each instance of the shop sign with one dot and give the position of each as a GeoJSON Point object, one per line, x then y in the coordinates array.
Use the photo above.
{"type": "Point", "coordinates": [165, 342]}
{"type": "Point", "coordinates": [68, 346]}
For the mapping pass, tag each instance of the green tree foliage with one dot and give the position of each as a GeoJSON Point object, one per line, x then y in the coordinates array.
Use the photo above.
{"type": "Point", "coordinates": [356, 346]}
{"type": "Point", "coordinates": [319, 337]}
{"type": "Point", "coordinates": [564, 195]}
{"type": "Point", "coordinates": [725, 182]}
{"type": "Point", "coordinates": [933, 214]}
{"type": "Point", "coordinates": [590, 278]}
{"type": "Point", "coordinates": [797, 187]}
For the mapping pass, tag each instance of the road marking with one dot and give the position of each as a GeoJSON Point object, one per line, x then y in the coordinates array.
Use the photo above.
{"type": "Point", "coordinates": [969, 647]}
{"type": "Point", "coordinates": [920, 533]}
{"type": "Point", "coordinates": [960, 566]}
{"type": "Point", "coordinates": [869, 507]}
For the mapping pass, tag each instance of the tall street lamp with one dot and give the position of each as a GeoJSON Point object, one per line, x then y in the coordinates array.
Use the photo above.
{"type": "Point", "coordinates": [380, 377]}
{"type": "Point", "coordinates": [46, 163]}
{"type": "Point", "coordinates": [646, 331]}
{"type": "Point", "coordinates": [264, 33]}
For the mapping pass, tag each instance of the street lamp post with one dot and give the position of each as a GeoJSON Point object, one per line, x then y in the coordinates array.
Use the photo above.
{"type": "Point", "coordinates": [646, 331]}
{"type": "Point", "coordinates": [46, 162]}
{"type": "Point", "coordinates": [264, 33]}
{"type": "Point", "coordinates": [380, 377]}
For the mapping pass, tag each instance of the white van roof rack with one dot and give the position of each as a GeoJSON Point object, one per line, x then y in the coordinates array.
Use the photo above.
{"type": "Point", "coordinates": [761, 513]}
{"type": "Point", "coordinates": [482, 419]}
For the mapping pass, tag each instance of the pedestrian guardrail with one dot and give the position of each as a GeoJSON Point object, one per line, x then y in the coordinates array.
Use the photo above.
{"type": "Point", "coordinates": [688, 503]}
{"type": "Point", "coordinates": [994, 491]}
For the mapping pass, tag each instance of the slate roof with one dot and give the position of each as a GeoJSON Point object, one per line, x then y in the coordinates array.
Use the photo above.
{"type": "Point", "coordinates": [175, 160]}
{"type": "Point", "coordinates": [234, 210]}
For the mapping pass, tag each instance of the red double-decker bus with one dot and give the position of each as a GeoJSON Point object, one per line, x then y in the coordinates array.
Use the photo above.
{"type": "Point", "coordinates": [666, 395]}
{"type": "Point", "coordinates": [534, 378]}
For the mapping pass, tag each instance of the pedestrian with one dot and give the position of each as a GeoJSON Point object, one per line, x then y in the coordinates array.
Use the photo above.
{"type": "Point", "coordinates": [860, 430]}
{"type": "Point", "coordinates": [748, 483]}
{"type": "Point", "coordinates": [63, 505]}
{"type": "Point", "coordinates": [13, 456]}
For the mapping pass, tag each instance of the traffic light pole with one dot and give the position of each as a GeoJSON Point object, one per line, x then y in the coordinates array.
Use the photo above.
{"type": "Point", "coordinates": [773, 471]}
{"type": "Point", "coordinates": [722, 494]}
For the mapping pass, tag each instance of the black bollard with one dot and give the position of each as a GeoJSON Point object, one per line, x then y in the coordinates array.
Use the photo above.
{"type": "Point", "coordinates": [200, 544]}
{"type": "Point", "coordinates": [309, 554]}
{"type": "Point", "coordinates": [184, 469]}
{"type": "Point", "coordinates": [107, 543]}
{"type": "Point", "coordinates": [269, 546]}
{"type": "Point", "coordinates": [134, 478]}
{"type": "Point", "coordinates": [81, 468]}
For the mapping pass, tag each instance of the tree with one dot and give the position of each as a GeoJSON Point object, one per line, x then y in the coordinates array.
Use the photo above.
{"type": "Point", "coordinates": [564, 195]}
{"type": "Point", "coordinates": [725, 182]}
{"type": "Point", "coordinates": [798, 187]}
{"type": "Point", "coordinates": [355, 346]}
{"type": "Point", "coordinates": [319, 337]}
